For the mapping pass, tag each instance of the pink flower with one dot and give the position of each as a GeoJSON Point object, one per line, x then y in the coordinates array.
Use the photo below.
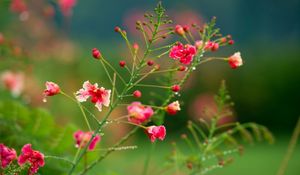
{"type": "Point", "coordinates": [172, 108]}
{"type": "Point", "coordinates": [51, 89]}
{"type": "Point", "coordinates": [83, 138]}
{"type": "Point", "coordinates": [7, 155]}
{"type": "Point", "coordinates": [13, 81]}
{"type": "Point", "coordinates": [99, 96]}
{"type": "Point", "coordinates": [156, 132]}
{"type": "Point", "coordinates": [66, 6]}
{"type": "Point", "coordinates": [235, 60]}
{"type": "Point", "coordinates": [185, 54]}
{"type": "Point", "coordinates": [18, 6]}
{"type": "Point", "coordinates": [179, 30]}
{"type": "Point", "coordinates": [138, 113]}
{"type": "Point", "coordinates": [33, 157]}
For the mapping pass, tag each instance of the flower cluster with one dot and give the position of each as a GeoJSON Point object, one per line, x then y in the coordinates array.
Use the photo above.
{"type": "Point", "coordinates": [7, 155]}
{"type": "Point", "coordinates": [183, 53]}
{"type": "Point", "coordinates": [185, 57]}
{"type": "Point", "coordinates": [34, 158]}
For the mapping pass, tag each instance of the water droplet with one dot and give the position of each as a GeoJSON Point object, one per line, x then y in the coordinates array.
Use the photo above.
{"type": "Point", "coordinates": [193, 68]}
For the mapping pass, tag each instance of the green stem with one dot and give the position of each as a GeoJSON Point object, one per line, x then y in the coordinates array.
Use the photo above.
{"type": "Point", "coordinates": [290, 150]}
{"type": "Point", "coordinates": [74, 100]}
{"type": "Point", "coordinates": [84, 115]}
{"type": "Point", "coordinates": [118, 74]}
{"type": "Point", "coordinates": [125, 138]}
{"type": "Point", "coordinates": [59, 158]}
{"type": "Point", "coordinates": [147, 160]}
{"type": "Point", "coordinates": [150, 85]}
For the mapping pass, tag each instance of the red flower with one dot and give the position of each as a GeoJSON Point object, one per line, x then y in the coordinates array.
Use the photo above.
{"type": "Point", "coordinates": [82, 138]}
{"type": "Point", "coordinates": [99, 96]}
{"type": "Point", "coordinates": [172, 108]}
{"type": "Point", "coordinates": [7, 155]}
{"type": "Point", "coordinates": [156, 132]}
{"type": "Point", "coordinates": [33, 157]}
{"type": "Point", "coordinates": [18, 6]}
{"type": "Point", "coordinates": [138, 113]}
{"type": "Point", "coordinates": [66, 6]}
{"type": "Point", "coordinates": [185, 54]}
{"type": "Point", "coordinates": [235, 60]}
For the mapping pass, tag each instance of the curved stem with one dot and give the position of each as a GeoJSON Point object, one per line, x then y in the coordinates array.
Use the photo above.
{"type": "Point", "coordinates": [110, 151]}
{"type": "Point", "coordinates": [290, 149]}
{"type": "Point", "coordinates": [118, 74]}
{"type": "Point", "coordinates": [74, 100]}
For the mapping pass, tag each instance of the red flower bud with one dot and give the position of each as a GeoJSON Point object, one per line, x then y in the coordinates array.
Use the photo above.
{"type": "Point", "coordinates": [117, 29]}
{"type": "Point", "coordinates": [122, 63]}
{"type": "Point", "coordinates": [157, 67]}
{"type": "Point", "coordinates": [179, 30]}
{"type": "Point", "coordinates": [182, 68]}
{"type": "Point", "coordinates": [230, 42]}
{"type": "Point", "coordinates": [96, 53]}
{"type": "Point", "coordinates": [135, 46]}
{"type": "Point", "coordinates": [137, 94]}
{"type": "Point", "coordinates": [223, 40]}
{"type": "Point", "coordinates": [186, 28]}
{"type": "Point", "coordinates": [215, 47]}
{"type": "Point", "coordinates": [175, 88]}
{"type": "Point", "coordinates": [150, 63]}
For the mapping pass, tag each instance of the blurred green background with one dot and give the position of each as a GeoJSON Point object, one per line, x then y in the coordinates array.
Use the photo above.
{"type": "Point", "coordinates": [265, 90]}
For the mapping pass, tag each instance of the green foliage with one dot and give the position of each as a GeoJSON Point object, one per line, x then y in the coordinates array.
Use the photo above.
{"type": "Point", "coordinates": [211, 144]}
{"type": "Point", "coordinates": [20, 125]}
